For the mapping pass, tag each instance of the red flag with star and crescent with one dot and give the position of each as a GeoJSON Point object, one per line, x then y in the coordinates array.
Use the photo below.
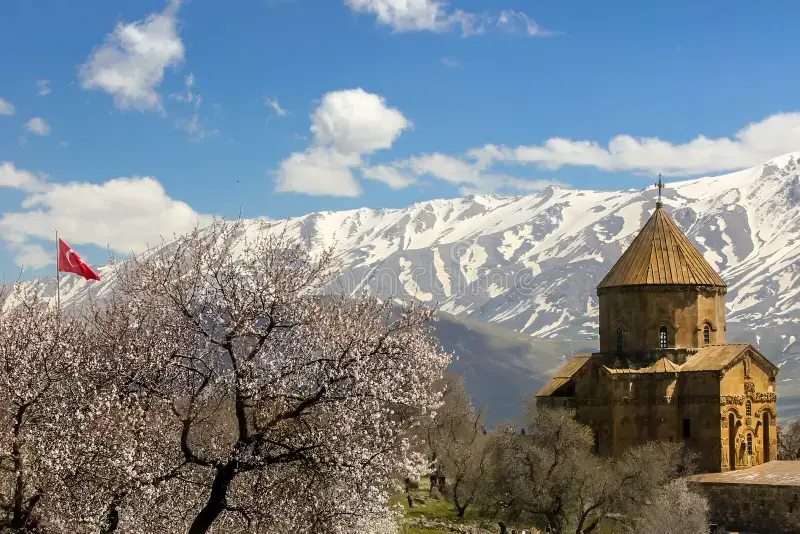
{"type": "Point", "coordinates": [70, 262]}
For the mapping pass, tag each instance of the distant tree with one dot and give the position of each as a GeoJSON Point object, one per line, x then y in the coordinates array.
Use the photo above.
{"type": "Point", "coordinates": [789, 440]}
{"type": "Point", "coordinates": [642, 475]}
{"type": "Point", "coordinates": [674, 510]}
{"type": "Point", "coordinates": [458, 446]}
{"type": "Point", "coordinates": [550, 475]}
{"type": "Point", "coordinates": [538, 477]}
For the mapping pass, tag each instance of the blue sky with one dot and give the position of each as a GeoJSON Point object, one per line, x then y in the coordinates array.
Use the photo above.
{"type": "Point", "coordinates": [124, 121]}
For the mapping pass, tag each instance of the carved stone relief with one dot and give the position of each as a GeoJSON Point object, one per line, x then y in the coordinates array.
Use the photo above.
{"type": "Point", "coordinates": [724, 400]}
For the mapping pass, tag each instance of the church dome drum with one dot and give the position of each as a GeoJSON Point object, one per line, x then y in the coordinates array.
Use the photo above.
{"type": "Point", "coordinates": [661, 294]}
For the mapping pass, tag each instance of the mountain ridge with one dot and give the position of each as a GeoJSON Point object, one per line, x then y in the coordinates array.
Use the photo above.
{"type": "Point", "coordinates": [531, 263]}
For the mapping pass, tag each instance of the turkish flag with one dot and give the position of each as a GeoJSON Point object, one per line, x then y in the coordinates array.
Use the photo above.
{"type": "Point", "coordinates": [70, 262]}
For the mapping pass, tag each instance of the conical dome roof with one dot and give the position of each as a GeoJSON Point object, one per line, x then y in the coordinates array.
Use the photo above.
{"type": "Point", "coordinates": [661, 255]}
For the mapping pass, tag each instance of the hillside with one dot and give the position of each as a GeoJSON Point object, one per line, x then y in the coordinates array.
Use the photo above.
{"type": "Point", "coordinates": [501, 367]}
{"type": "Point", "coordinates": [531, 263]}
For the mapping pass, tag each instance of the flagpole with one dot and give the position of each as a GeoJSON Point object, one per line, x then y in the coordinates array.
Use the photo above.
{"type": "Point", "coordinates": [58, 278]}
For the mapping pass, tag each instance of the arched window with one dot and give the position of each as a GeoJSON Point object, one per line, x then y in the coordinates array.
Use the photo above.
{"type": "Point", "coordinates": [619, 339]}
{"type": "Point", "coordinates": [662, 337]}
{"type": "Point", "coordinates": [706, 335]}
{"type": "Point", "coordinates": [749, 444]}
{"type": "Point", "coordinates": [748, 409]}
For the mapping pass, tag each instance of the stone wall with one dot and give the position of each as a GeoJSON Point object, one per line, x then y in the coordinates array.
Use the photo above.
{"type": "Point", "coordinates": [592, 383]}
{"type": "Point", "coordinates": [747, 383]}
{"type": "Point", "coordinates": [630, 409]}
{"type": "Point", "coordinates": [753, 508]}
{"type": "Point", "coordinates": [640, 314]}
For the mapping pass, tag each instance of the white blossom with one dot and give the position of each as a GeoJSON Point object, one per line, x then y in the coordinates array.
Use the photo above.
{"type": "Point", "coordinates": [214, 390]}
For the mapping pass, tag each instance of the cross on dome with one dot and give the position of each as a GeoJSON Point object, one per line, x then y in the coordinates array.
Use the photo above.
{"type": "Point", "coordinates": [660, 186]}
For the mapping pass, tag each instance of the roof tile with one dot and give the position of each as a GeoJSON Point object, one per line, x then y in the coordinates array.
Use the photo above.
{"type": "Point", "coordinates": [661, 254]}
{"type": "Point", "coordinates": [563, 375]}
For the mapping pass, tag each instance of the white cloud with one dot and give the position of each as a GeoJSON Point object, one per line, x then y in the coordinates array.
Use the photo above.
{"type": "Point", "coordinates": [469, 175]}
{"type": "Point", "coordinates": [753, 144]}
{"type": "Point", "coordinates": [357, 124]}
{"type": "Point", "coordinates": [518, 22]}
{"type": "Point", "coordinates": [196, 128]}
{"type": "Point", "coordinates": [436, 16]}
{"type": "Point", "coordinates": [43, 87]}
{"type": "Point", "coordinates": [406, 15]}
{"type": "Point", "coordinates": [31, 256]}
{"type": "Point", "coordinates": [6, 107]}
{"type": "Point", "coordinates": [13, 178]}
{"type": "Point", "coordinates": [476, 170]}
{"type": "Point", "coordinates": [276, 107]}
{"type": "Point", "coordinates": [447, 62]}
{"type": "Point", "coordinates": [38, 126]}
{"type": "Point", "coordinates": [127, 214]}
{"type": "Point", "coordinates": [130, 64]}
{"type": "Point", "coordinates": [319, 171]}
{"type": "Point", "coordinates": [189, 96]}
{"type": "Point", "coordinates": [394, 176]}
{"type": "Point", "coordinates": [346, 126]}
{"type": "Point", "coordinates": [355, 121]}
{"type": "Point", "coordinates": [455, 171]}
{"type": "Point", "coordinates": [195, 125]}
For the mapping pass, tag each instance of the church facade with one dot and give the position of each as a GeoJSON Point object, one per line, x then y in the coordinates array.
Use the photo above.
{"type": "Point", "coordinates": [664, 370]}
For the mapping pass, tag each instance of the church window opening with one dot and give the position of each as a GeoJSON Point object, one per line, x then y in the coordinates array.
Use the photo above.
{"type": "Point", "coordinates": [687, 428]}
{"type": "Point", "coordinates": [662, 337]}
{"type": "Point", "coordinates": [749, 443]}
{"type": "Point", "coordinates": [706, 335]}
{"type": "Point", "coordinates": [748, 409]}
{"type": "Point", "coordinates": [619, 339]}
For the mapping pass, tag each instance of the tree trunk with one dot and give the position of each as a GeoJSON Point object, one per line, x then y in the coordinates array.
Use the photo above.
{"type": "Point", "coordinates": [111, 522]}
{"type": "Point", "coordinates": [19, 516]}
{"type": "Point", "coordinates": [460, 508]}
{"type": "Point", "coordinates": [216, 500]}
{"type": "Point", "coordinates": [22, 521]}
{"type": "Point", "coordinates": [555, 523]}
{"type": "Point", "coordinates": [438, 481]}
{"type": "Point", "coordinates": [441, 482]}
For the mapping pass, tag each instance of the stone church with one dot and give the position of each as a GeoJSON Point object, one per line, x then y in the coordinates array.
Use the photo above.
{"type": "Point", "coordinates": [664, 370]}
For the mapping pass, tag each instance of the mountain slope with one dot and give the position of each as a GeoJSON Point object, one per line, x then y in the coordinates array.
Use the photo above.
{"type": "Point", "coordinates": [501, 367]}
{"type": "Point", "coordinates": [531, 263]}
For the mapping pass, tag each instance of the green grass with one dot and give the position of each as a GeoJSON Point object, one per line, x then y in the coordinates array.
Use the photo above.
{"type": "Point", "coordinates": [440, 510]}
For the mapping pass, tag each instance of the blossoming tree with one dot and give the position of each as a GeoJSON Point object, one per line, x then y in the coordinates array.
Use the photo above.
{"type": "Point", "coordinates": [218, 390]}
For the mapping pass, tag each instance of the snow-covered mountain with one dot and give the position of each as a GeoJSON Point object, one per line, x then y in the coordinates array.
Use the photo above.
{"type": "Point", "coordinates": [531, 263]}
